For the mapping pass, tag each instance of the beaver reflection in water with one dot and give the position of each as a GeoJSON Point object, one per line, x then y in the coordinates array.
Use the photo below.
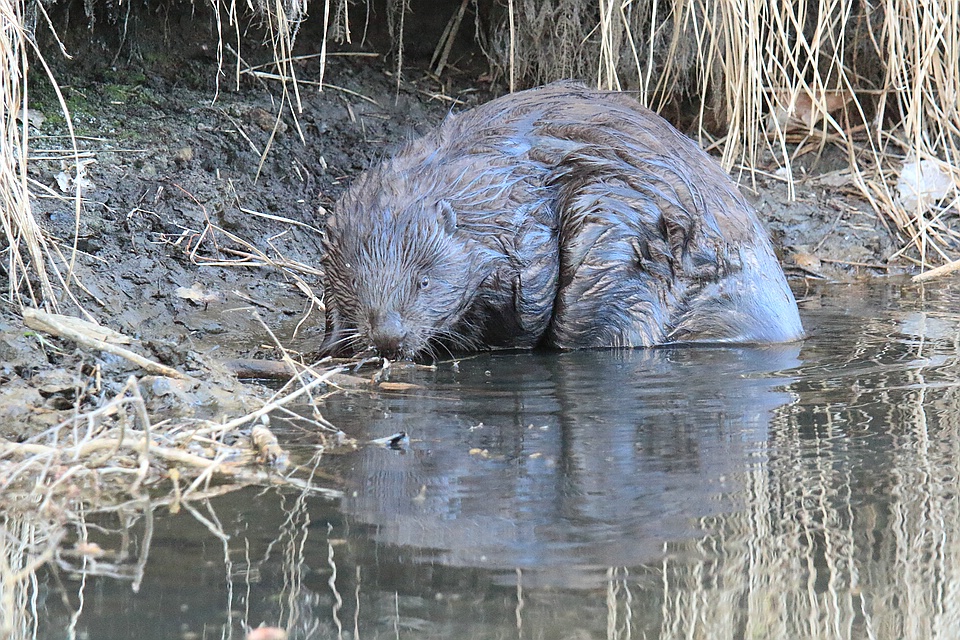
{"type": "Point", "coordinates": [557, 216]}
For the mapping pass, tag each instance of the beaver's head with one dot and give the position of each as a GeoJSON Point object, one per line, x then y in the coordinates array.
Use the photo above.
{"type": "Point", "coordinates": [399, 274]}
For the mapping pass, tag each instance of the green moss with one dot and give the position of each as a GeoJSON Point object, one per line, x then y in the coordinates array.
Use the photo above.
{"type": "Point", "coordinates": [43, 98]}
{"type": "Point", "coordinates": [125, 135]}
{"type": "Point", "coordinates": [78, 103]}
{"type": "Point", "coordinates": [118, 93]}
{"type": "Point", "coordinates": [52, 117]}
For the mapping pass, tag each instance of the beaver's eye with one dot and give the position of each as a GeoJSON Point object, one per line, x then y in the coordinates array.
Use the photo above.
{"type": "Point", "coordinates": [424, 282]}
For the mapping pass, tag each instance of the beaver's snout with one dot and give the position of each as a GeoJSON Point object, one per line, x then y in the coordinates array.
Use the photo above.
{"type": "Point", "coordinates": [387, 333]}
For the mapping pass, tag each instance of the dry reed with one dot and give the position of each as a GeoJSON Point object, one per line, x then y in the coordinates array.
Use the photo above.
{"type": "Point", "coordinates": [116, 458]}
{"type": "Point", "coordinates": [23, 254]}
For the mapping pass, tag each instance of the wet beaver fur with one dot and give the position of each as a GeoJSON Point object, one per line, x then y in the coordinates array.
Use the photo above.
{"type": "Point", "coordinates": [558, 216]}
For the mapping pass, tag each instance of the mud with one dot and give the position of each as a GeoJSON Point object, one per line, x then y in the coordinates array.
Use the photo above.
{"type": "Point", "coordinates": [193, 241]}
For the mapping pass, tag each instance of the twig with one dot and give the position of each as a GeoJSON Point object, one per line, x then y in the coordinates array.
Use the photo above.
{"type": "Point", "coordinates": [55, 324]}
{"type": "Point", "coordinates": [324, 85]}
{"type": "Point", "coordinates": [323, 379]}
{"type": "Point", "coordinates": [291, 221]}
{"type": "Point", "coordinates": [942, 270]}
{"type": "Point", "coordinates": [854, 263]}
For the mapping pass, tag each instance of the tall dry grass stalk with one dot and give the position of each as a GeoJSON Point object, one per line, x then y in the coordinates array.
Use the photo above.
{"type": "Point", "coordinates": [29, 259]}
{"type": "Point", "coordinates": [24, 263]}
{"type": "Point", "coordinates": [921, 94]}
{"type": "Point", "coordinates": [799, 76]}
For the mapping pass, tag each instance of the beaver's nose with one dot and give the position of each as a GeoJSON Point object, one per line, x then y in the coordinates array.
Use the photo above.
{"type": "Point", "coordinates": [387, 333]}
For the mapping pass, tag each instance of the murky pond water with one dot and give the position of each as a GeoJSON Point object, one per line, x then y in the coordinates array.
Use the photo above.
{"type": "Point", "coordinates": [806, 491]}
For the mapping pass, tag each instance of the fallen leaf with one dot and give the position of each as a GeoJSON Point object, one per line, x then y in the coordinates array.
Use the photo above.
{"type": "Point", "coordinates": [34, 118]}
{"type": "Point", "coordinates": [75, 176]}
{"type": "Point", "coordinates": [806, 261]}
{"type": "Point", "coordinates": [197, 294]}
{"type": "Point", "coordinates": [802, 110]}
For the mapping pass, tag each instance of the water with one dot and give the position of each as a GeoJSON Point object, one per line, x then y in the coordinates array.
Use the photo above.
{"type": "Point", "coordinates": [805, 491]}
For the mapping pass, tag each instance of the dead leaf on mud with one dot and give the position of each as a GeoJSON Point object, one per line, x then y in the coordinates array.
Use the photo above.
{"type": "Point", "coordinates": [34, 117]}
{"type": "Point", "coordinates": [266, 120]}
{"type": "Point", "coordinates": [197, 294]}
{"type": "Point", "coordinates": [804, 110]}
{"type": "Point", "coordinates": [806, 261]}
{"type": "Point", "coordinates": [921, 184]}
{"type": "Point", "coordinates": [75, 176]}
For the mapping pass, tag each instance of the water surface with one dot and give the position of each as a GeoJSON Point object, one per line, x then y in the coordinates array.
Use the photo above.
{"type": "Point", "coordinates": [800, 491]}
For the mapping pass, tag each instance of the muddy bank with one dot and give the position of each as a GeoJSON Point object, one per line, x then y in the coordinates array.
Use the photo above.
{"type": "Point", "coordinates": [199, 232]}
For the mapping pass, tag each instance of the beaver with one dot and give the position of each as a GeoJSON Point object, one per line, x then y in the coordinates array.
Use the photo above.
{"type": "Point", "coordinates": [558, 216]}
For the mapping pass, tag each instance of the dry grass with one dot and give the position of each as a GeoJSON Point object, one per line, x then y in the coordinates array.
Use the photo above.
{"type": "Point", "coordinates": [116, 459]}
{"type": "Point", "coordinates": [23, 254]}
{"type": "Point", "coordinates": [116, 452]}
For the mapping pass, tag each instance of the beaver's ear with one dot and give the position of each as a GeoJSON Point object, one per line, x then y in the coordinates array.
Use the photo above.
{"type": "Point", "coordinates": [448, 216]}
